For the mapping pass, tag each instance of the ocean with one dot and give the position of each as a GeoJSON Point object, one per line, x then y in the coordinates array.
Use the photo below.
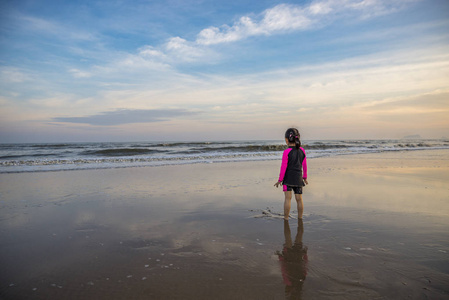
{"type": "Point", "coordinates": [28, 157]}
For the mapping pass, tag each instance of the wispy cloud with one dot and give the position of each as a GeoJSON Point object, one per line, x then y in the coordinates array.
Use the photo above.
{"type": "Point", "coordinates": [13, 75]}
{"type": "Point", "coordinates": [288, 17]}
{"type": "Point", "coordinates": [437, 101]}
{"type": "Point", "coordinates": [203, 48]}
{"type": "Point", "coordinates": [80, 74]}
{"type": "Point", "coordinates": [279, 19]}
{"type": "Point", "coordinates": [182, 50]}
{"type": "Point", "coordinates": [128, 116]}
{"type": "Point", "coordinates": [60, 30]}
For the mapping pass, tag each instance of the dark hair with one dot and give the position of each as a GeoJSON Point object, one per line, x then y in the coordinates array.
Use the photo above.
{"type": "Point", "coordinates": [292, 134]}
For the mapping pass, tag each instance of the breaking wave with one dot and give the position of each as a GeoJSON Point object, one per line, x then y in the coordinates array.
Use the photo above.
{"type": "Point", "coordinates": [72, 156]}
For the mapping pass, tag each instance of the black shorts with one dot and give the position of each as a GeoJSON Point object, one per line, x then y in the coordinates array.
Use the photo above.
{"type": "Point", "coordinates": [295, 189]}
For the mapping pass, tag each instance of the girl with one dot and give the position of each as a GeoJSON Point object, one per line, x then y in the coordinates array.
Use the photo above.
{"type": "Point", "coordinates": [293, 175]}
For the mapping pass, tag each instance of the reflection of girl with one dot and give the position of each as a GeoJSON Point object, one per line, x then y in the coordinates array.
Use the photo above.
{"type": "Point", "coordinates": [293, 261]}
{"type": "Point", "coordinates": [293, 174]}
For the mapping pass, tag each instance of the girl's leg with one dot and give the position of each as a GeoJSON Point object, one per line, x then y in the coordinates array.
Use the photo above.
{"type": "Point", "coordinates": [287, 204]}
{"type": "Point", "coordinates": [300, 204]}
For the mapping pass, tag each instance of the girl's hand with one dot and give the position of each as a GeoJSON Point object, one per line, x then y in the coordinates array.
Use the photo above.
{"type": "Point", "coordinates": [277, 184]}
{"type": "Point", "coordinates": [305, 180]}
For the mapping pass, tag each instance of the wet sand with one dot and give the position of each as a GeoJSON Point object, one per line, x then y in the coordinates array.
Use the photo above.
{"type": "Point", "coordinates": [375, 227]}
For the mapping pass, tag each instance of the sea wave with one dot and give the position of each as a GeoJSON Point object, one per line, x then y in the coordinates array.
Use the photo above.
{"type": "Point", "coordinates": [121, 152]}
{"type": "Point", "coordinates": [57, 146]}
{"type": "Point", "coordinates": [73, 156]}
{"type": "Point", "coordinates": [21, 157]}
{"type": "Point", "coordinates": [17, 166]}
{"type": "Point", "coordinates": [247, 148]}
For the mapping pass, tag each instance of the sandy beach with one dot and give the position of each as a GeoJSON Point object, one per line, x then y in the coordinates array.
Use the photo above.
{"type": "Point", "coordinates": [375, 227]}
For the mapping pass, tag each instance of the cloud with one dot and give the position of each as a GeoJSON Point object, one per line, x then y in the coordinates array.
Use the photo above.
{"type": "Point", "coordinates": [151, 53]}
{"type": "Point", "coordinates": [279, 19]}
{"type": "Point", "coordinates": [80, 74]}
{"type": "Point", "coordinates": [39, 25]}
{"type": "Point", "coordinates": [437, 101]}
{"type": "Point", "coordinates": [13, 75]}
{"type": "Point", "coordinates": [60, 30]}
{"type": "Point", "coordinates": [289, 17]}
{"type": "Point", "coordinates": [182, 50]}
{"type": "Point", "coordinates": [282, 17]}
{"type": "Point", "coordinates": [127, 116]}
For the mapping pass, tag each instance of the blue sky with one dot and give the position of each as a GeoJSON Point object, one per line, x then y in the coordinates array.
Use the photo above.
{"type": "Point", "coordinates": [223, 70]}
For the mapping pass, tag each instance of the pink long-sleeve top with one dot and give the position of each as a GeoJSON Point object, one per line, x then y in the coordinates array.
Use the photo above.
{"type": "Point", "coordinates": [285, 163]}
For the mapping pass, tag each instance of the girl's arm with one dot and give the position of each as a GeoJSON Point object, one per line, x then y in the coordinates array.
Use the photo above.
{"type": "Point", "coordinates": [283, 166]}
{"type": "Point", "coordinates": [304, 166]}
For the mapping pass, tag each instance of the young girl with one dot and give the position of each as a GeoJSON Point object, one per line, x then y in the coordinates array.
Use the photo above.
{"type": "Point", "coordinates": [293, 175]}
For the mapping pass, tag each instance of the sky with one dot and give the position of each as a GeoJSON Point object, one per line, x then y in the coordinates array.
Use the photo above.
{"type": "Point", "coordinates": [198, 70]}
